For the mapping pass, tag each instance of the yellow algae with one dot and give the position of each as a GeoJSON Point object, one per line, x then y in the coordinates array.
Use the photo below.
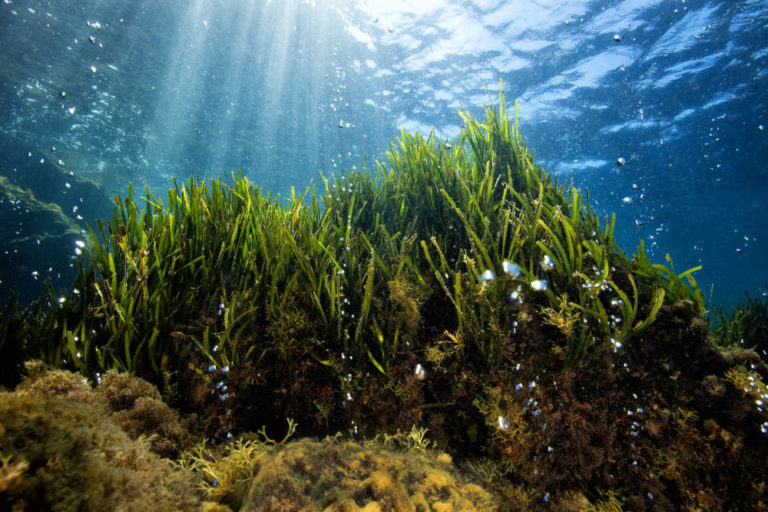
{"type": "Point", "coordinates": [62, 454]}
{"type": "Point", "coordinates": [437, 481]}
{"type": "Point", "coordinates": [445, 460]}
{"type": "Point", "coordinates": [388, 473]}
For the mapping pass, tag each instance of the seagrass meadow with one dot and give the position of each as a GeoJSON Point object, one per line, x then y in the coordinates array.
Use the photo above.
{"type": "Point", "coordinates": [457, 292]}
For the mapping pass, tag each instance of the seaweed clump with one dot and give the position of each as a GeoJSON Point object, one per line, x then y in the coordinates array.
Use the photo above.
{"type": "Point", "coordinates": [390, 472]}
{"type": "Point", "coordinates": [458, 287]}
{"type": "Point", "coordinates": [60, 451]}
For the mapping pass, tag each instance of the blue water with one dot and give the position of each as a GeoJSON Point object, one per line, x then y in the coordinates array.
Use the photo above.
{"type": "Point", "coordinates": [146, 90]}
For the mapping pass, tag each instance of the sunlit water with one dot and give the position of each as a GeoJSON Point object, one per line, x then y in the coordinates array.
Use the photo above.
{"type": "Point", "coordinates": [99, 94]}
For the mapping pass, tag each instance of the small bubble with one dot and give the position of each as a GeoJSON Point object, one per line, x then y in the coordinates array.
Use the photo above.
{"type": "Point", "coordinates": [617, 37]}
{"type": "Point", "coordinates": [540, 285]}
{"type": "Point", "coordinates": [503, 423]}
{"type": "Point", "coordinates": [626, 200]}
{"type": "Point", "coordinates": [621, 161]}
{"type": "Point", "coordinates": [510, 268]}
{"type": "Point", "coordinates": [760, 127]}
{"type": "Point", "coordinates": [419, 372]}
{"type": "Point", "coordinates": [488, 275]}
{"type": "Point", "coordinates": [71, 110]}
{"type": "Point", "coordinates": [93, 69]}
{"type": "Point", "coordinates": [547, 263]}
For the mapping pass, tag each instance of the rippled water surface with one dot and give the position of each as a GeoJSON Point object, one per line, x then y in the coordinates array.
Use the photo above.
{"type": "Point", "coordinates": [97, 94]}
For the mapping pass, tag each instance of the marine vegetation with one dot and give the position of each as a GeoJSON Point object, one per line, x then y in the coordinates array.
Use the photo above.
{"type": "Point", "coordinates": [743, 325]}
{"type": "Point", "coordinates": [63, 446]}
{"type": "Point", "coordinates": [458, 287]}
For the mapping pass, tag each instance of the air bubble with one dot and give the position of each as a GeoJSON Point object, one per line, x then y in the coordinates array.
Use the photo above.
{"type": "Point", "coordinates": [488, 275]}
{"type": "Point", "coordinates": [510, 268]}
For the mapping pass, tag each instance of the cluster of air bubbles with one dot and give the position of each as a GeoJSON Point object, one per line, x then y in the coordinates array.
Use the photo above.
{"type": "Point", "coordinates": [539, 285]}
{"type": "Point", "coordinates": [747, 240]}
{"type": "Point", "coordinates": [221, 391]}
{"type": "Point", "coordinates": [213, 368]}
{"type": "Point", "coordinates": [516, 294]}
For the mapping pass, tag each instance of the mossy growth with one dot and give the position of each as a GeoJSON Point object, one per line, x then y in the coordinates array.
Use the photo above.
{"type": "Point", "coordinates": [61, 450]}
{"type": "Point", "coordinates": [390, 472]}
{"type": "Point", "coordinates": [457, 286]}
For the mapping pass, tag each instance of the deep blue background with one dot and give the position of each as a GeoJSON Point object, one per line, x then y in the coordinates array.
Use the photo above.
{"type": "Point", "coordinates": [205, 87]}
